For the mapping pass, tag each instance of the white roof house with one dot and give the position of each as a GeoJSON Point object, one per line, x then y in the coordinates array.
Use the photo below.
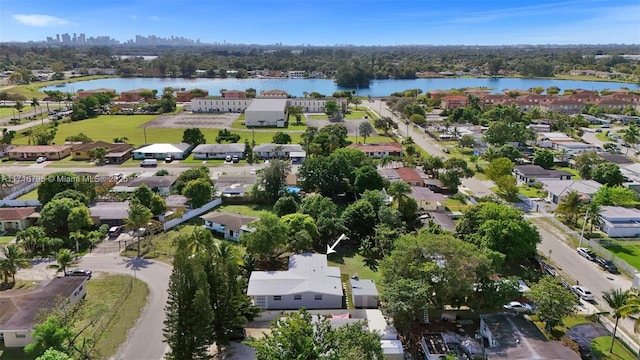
{"type": "Point", "coordinates": [268, 150]}
{"type": "Point", "coordinates": [309, 283]}
{"type": "Point", "coordinates": [160, 151]}
{"type": "Point", "coordinates": [218, 151]}
{"type": "Point", "coordinates": [617, 221]}
{"type": "Point", "coordinates": [558, 188]}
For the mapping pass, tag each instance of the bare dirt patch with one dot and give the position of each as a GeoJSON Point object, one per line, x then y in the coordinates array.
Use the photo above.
{"type": "Point", "coordinates": [188, 120]}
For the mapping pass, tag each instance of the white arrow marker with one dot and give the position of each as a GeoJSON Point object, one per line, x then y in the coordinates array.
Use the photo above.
{"type": "Point", "coordinates": [330, 248]}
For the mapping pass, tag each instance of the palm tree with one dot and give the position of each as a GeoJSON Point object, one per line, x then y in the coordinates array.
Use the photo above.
{"type": "Point", "coordinates": [19, 106]}
{"type": "Point", "coordinates": [200, 240]}
{"type": "Point", "coordinates": [398, 190]}
{"type": "Point", "coordinates": [570, 207]}
{"type": "Point", "coordinates": [593, 211]}
{"type": "Point", "coordinates": [139, 216]}
{"type": "Point", "coordinates": [489, 154]}
{"type": "Point", "coordinates": [35, 103]}
{"type": "Point", "coordinates": [15, 258]}
{"type": "Point", "coordinates": [5, 270]}
{"type": "Point", "coordinates": [76, 236]}
{"type": "Point", "coordinates": [632, 307]}
{"type": "Point", "coordinates": [616, 299]}
{"type": "Point", "coordinates": [631, 136]}
{"type": "Point", "coordinates": [65, 259]}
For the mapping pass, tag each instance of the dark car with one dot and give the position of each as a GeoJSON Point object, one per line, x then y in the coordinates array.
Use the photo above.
{"type": "Point", "coordinates": [79, 272]}
{"type": "Point", "coordinates": [607, 265]}
{"type": "Point", "coordinates": [237, 334]}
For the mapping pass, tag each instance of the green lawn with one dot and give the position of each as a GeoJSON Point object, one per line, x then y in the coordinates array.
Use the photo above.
{"type": "Point", "coordinates": [559, 331]}
{"type": "Point", "coordinates": [13, 354]}
{"type": "Point", "coordinates": [356, 115]}
{"type": "Point", "coordinates": [318, 117]}
{"type": "Point", "coordinates": [160, 246]}
{"type": "Point", "coordinates": [113, 310]}
{"type": "Point", "coordinates": [531, 192]}
{"type": "Point", "coordinates": [247, 210]}
{"type": "Point", "coordinates": [350, 262]}
{"type": "Point", "coordinates": [108, 127]}
{"type": "Point", "coordinates": [628, 251]}
{"type": "Point", "coordinates": [455, 205]}
{"type": "Point", "coordinates": [576, 174]}
{"type": "Point", "coordinates": [6, 111]}
{"type": "Point", "coordinates": [6, 239]}
{"type": "Point", "coordinates": [69, 162]}
{"type": "Point", "coordinates": [372, 139]}
{"type": "Point", "coordinates": [33, 90]}
{"type": "Point", "coordinates": [600, 347]}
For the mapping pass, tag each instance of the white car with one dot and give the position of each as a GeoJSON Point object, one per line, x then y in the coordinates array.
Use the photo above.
{"type": "Point", "coordinates": [519, 307]}
{"type": "Point", "coordinates": [586, 253]}
{"type": "Point", "coordinates": [584, 293]}
{"type": "Point", "coordinates": [41, 159]}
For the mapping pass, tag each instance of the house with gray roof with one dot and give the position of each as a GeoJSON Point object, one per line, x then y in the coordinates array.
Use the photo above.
{"type": "Point", "coordinates": [229, 225]}
{"type": "Point", "coordinates": [235, 185]}
{"type": "Point", "coordinates": [218, 151]}
{"type": "Point", "coordinates": [530, 174]}
{"type": "Point", "coordinates": [309, 283]}
{"type": "Point", "coordinates": [109, 213]}
{"type": "Point", "coordinates": [22, 312]}
{"type": "Point", "coordinates": [160, 184]}
{"type": "Point", "coordinates": [617, 221]}
{"type": "Point", "coordinates": [556, 189]}
{"type": "Point", "coordinates": [269, 150]}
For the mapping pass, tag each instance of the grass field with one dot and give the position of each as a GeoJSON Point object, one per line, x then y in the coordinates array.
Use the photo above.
{"type": "Point", "coordinates": [372, 139]}
{"type": "Point", "coordinates": [600, 348]}
{"type": "Point", "coordinates": [108, 127]}
{"type": "Point", "coordinates": [11, 111]}
{"type": "Point", "coordinates": [576, 174]}
{"type": "Point", "coordinates": [628, 251]}
{"type": "Point", "coordinates": [104, 295]}
{"type": "Point", "coordinates": [33, 90]}
{"type": "Point", "coordinates": [6, 239]}
{"type": "Point", "coordinates": [247, 210]}
{"type": "Point", "coordinates": [455, 205]}
{"type": "Point", "coordinates": [318, 117]}
{"type": "Point", "coordinates": [356, 115]}
{"type": "Point", "coordinates": [531, 192]}
{"type": "Point", "coordinates": [350, 262]}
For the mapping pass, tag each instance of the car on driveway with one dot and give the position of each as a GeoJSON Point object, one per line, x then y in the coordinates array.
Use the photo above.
{"type": "Point", "coordinates": [41, 159]}
{"type": "Point", "coordinates": [584, 293]}
{"type": "Point", "coordinates": [79, 272]}
{"type": "Point", "coordinates": [586, 253]}
{"type": "Point", "coordinates": [607, 265]}
{"type": "Point", "coordinates": [519, 307]}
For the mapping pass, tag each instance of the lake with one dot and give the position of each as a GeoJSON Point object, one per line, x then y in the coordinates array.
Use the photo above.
{"type": "Point", "coordinates": [297, 87]}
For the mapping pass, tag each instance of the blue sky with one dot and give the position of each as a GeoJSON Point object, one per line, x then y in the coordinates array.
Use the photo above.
{"type": "Point", "coordinates": [331, 22]}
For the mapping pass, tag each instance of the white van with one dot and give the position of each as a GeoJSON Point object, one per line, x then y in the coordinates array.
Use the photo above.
{"type": "Point", "coordinates": [149, 163]}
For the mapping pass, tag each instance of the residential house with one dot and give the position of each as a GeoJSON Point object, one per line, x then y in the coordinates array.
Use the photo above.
{"type": "Point", "coordinates": [364, 293]}
{"type": "Point", "coordinates": [160, 184]}
{"type": "Point", "coordinates": [309, 283]}
{"type": "Point", "coordinates": [162, 151]}
{"type": "Point", "coordinates": [571, 148]}
{"type": "Point", "coordinates": [530, 174]}
{"type": "Point", "coordinates": [616, 159]}
{"type": "Point", "coordinates": [557, 189]}
{"type": "Point", "coordinates": [133, 95]}
{"type": "Point", "coordinates": [297, 157]}
{"type": "Point", "coordinates": [32, 152]}
{"type": "Point", "coordinates": [87, 93]}
{"type": "Point", "coordinates": [617, 221]}
{"type": "Point", "coordinates": [26, 309]}
{"type": "Point", "coordinates": [426, 199]}
{"type": "Point", "coordinates": [229, 225]}
{"type": "Point", "coordinates": [83, 151]}
{"type": "Point", "coordinates": [410, 176]}
{"type": "Point", "coordinates": [269, 150]}
{"type": "Point", "coordinates": [453, 101]}
{"type": "Point", "coordinates": [4, 149]}
{"type": "Point", "coordinates": [549, 139]}
{"type": "Point", "coordinates": [218, 151]}
{"type": "Point", "coordinates": [235, 185]}
{"type": "Point", "coordinates": [512, 336]}
{"type": "Point", "coordinates": [16, 219]}
{"type": "Point", "coordinates": [380, 150]}
{"type": "Point", "coordinates": [177, 203]}
{"type": "Point", "coordinates": [109, 213]}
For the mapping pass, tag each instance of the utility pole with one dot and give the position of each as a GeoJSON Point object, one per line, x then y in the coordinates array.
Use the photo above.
{"type": "Point", "coordinates": [584, 223]}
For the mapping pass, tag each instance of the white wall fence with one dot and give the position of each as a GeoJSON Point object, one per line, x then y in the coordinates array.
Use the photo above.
{"type": "Point", "coordinates": [19, 203]}
{"type": "Point", "coordinates": [192, 213]}
{"type": "Point", "coordinates": [21, 190]}
{"type": "Point", "coordinates": [270, 315]}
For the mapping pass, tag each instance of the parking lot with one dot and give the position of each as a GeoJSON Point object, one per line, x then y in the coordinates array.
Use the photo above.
{"type": "Point", "coordinates": [187, 120]}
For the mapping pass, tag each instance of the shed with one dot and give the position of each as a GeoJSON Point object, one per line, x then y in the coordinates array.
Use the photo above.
{"type": "Point", "coordinates": [364, 293]}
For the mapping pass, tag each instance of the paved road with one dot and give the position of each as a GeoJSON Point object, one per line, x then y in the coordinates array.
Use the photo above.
{"type": "Point", "coordinates": [145, 340]}
{"type": "Point", "coordinates": [576, 268]}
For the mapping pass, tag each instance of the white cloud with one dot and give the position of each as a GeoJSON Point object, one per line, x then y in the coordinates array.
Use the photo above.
{"type": "Point", "coordinates": [40, 20]}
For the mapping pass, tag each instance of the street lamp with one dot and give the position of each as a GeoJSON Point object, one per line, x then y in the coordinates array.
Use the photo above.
{"type": "Point", "coordinates": [584, 223]}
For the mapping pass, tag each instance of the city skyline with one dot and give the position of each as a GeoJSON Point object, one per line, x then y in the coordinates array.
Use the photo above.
{"type": "Point", "coordinates": [329, 22]}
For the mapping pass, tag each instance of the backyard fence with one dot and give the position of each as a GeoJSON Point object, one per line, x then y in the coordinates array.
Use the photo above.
{"type": "Point", "coordinates": [192, 213]}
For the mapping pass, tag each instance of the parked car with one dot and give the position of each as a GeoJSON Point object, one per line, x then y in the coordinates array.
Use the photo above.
{"type": "Point", "coordinates": [227, 158]}
{"type": "Point", "coordinates": [79, 272]}
{"type": "Point", "coordinates": [607, 265]}
{"type": "Point", "coordinates": [168, 159]}
{"type": "Point", "coordinates": [519, 307]}
{"type": "Point", "coordinates": [584, 293]}
{"type": "Point", "coordinates": [237, 334]}
{"type": "Point", "coordinates": [115, 231]}
{"type": "Point", "coordinates": [41, 159]}
{"type": "Point", "coordinates": [149, 163]}
{"type": "Point", "coordinates": [587, 253]}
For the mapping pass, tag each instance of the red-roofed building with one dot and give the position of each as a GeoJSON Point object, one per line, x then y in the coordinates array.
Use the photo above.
{"type": "Point", "coordinates": [380, 150]}
{"type": "Point", "coordinates": [32, 152]}
{"type": "Point", "coordinates": [16, 219]}
{"type": "Point", "coordinates": [410, 176]}
{"type": "Point", "coordinates": [453, 101]}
